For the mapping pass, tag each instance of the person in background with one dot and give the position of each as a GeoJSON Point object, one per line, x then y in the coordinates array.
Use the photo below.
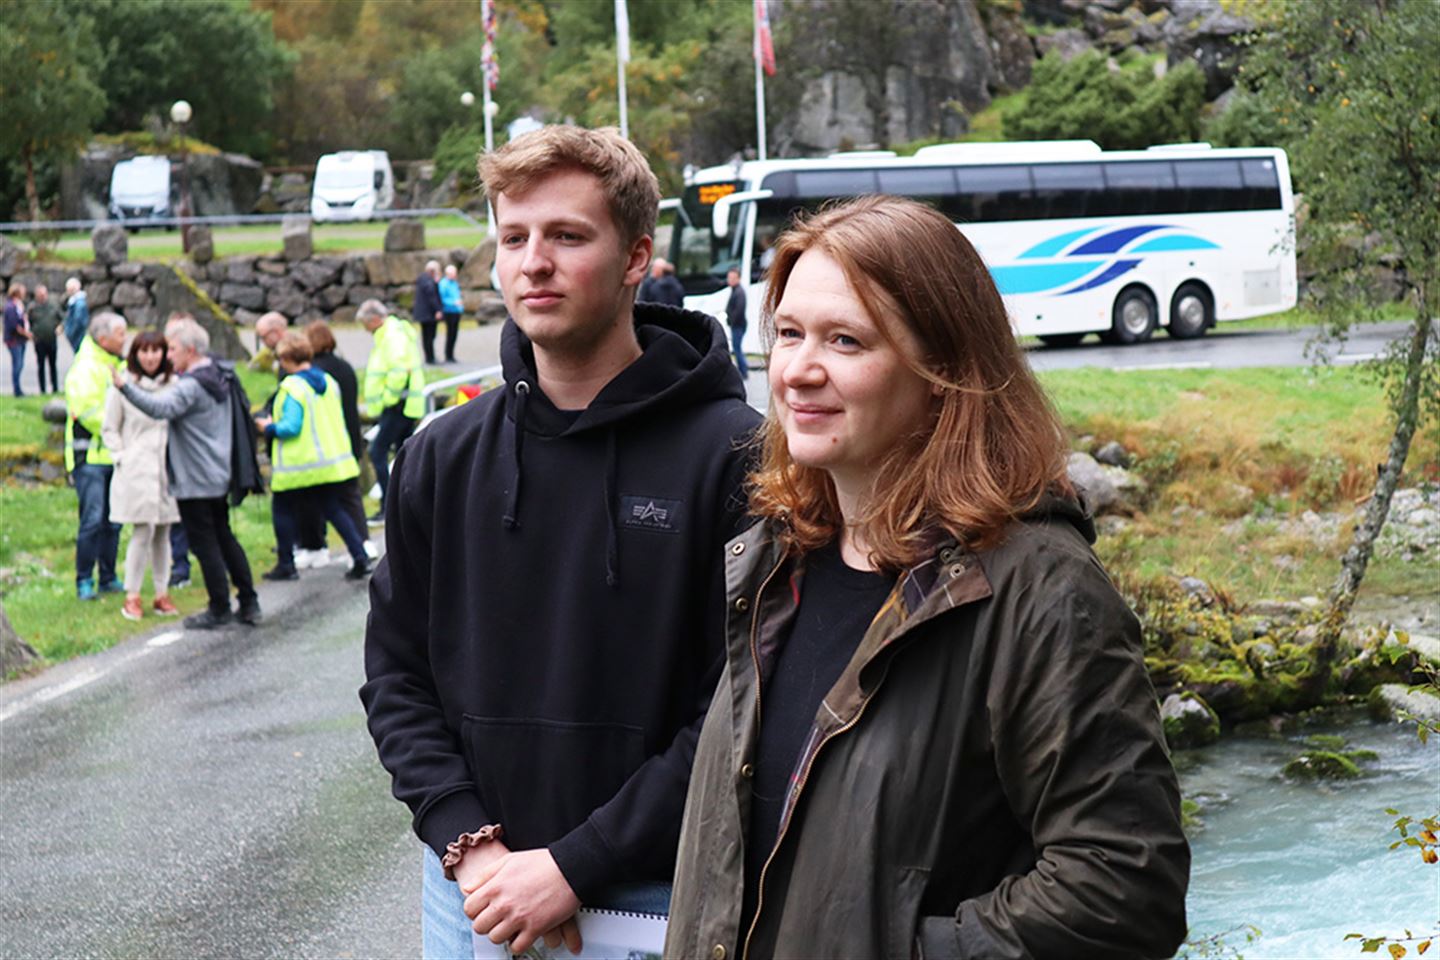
{"type": "Point", "coordinates": [269, 328]}
{"type": "Point", "coordinates": [179, 542]}
{"type": "Point", "coordinates": [394, 378]}
{"type": "Point", "coordinates": [661, 286]}
{"type": "Point", "coordinates": [312, 457]}
{"type": "Point", "coordinates": [322, 342]}
{"type": "Point", "coordinates": [77, 313]}
{"type": "Point", "coordinates": [197, 405]}
{"type": "Point", "coordinates": [934, 735]}
{"type": "Point", "coordinates": [87, 459]}
{"type": "Point", "coordinates": [140, 489]}
{"type": "Point", "coordinates": [44, 316]}
{"type": "Point", "coordinates": [428, 309]}
{"type": "Point", "coordinates": [452, 305]}
{"type": "Point", "coordinates": [309, 523]}
{"type": "Point", "coordinates": [735, 317]}
{"type": "Point", "coordinates": [17, 334]}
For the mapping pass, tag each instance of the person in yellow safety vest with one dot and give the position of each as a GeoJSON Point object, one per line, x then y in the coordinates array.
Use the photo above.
{"type": "Point", "coordinates": [90, 465]}
{"type": "Point", "coordinates": [394, 379]}
{"type": "Point", "coordinates": [312, 458]}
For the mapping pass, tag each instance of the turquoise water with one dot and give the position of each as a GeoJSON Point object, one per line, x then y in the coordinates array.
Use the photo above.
{"type": "Point", "coordinates": [1309, 863]}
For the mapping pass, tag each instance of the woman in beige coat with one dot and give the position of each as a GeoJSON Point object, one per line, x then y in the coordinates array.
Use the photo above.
{"type": "Point", "coordinates": [140, 491]}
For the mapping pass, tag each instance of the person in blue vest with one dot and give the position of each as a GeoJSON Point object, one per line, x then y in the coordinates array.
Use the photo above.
{"type": "Point", "coordinates": [452, 306]}
{"type": "Point", "coordinates": [312, 459]}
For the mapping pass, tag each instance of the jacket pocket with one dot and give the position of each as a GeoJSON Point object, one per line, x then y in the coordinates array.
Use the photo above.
{"type": "Point", "coordinates": [907, 888]}
{"type": "Point", "coordinates": [540, 778]}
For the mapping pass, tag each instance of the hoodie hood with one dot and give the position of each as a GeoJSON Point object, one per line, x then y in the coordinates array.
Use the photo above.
{"type": "Point", "coordinates": [315, 377]}
{"type": "Point", "coordinates": [212, 378]}
{"type": "Point", "coordinates": [685, 360]}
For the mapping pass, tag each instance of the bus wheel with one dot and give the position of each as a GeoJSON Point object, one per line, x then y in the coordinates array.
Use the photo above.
{"type": "Point", "coordinates": [1061, 339]}
{"type": "Point", "coordinates": [1133, 318]}
{"type": "Point", "coordinates": [1191, 312]}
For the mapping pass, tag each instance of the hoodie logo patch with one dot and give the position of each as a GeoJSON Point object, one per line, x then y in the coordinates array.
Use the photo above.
{"type": "Point", "coordinates": [651, 513]}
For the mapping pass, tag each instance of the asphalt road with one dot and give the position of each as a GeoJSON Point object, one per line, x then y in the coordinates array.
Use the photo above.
{"type": "Point", "coordinates": [206, 794]}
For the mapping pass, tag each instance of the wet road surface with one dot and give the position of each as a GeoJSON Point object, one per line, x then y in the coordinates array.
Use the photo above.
{"type": "Point", "coordinates": [206, 794]}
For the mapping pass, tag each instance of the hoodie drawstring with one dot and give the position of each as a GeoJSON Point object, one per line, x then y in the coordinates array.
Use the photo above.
{"type": "Point", "coordinates": [612, 533]}
{"type": "Point", "coordinates": [522, 397]}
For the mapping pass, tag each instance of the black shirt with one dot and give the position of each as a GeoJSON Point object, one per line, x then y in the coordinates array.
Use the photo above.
{"type": "Point", "coordinates": [837, 604]}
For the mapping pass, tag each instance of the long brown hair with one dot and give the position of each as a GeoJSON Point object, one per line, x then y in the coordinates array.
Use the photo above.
{"type": "Point", "coordinates": [995, 447]}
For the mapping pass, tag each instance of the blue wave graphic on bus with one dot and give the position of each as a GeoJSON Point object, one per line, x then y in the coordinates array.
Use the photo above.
{"type": "Point", "coordinates": [1087, 258]}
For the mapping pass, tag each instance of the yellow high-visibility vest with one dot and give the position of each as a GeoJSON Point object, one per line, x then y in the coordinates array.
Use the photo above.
{"type": "Point", "coordinates": [90, 378]}
{"type": "Point", "coordinates": [320, 452]}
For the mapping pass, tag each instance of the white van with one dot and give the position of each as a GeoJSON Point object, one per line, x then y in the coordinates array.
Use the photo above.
{"type": "Point", "coordinates": [140, 188]}
{"type": "Point", "coordinates": [352, 185]}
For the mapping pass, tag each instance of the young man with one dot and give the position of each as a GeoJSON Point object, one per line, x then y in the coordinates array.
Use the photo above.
{"type": "Point", "coordinates": [735, 317]}
{"type": "Point", "coordinates": [546, 627]}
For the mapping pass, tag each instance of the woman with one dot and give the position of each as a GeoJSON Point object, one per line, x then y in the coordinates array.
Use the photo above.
{"type": "Point", "coordinates": [140, 490]}
{"type": "Point", "coordinates": [452, 306]}
{"type": "Point", "coordinates": [312, 458]}
{"type": "Point", "coordinates": [934, 734]}
{"type": "Point", "coordinates": [322, 341]}
{"type": "Point", "coordinates": [17, 333]}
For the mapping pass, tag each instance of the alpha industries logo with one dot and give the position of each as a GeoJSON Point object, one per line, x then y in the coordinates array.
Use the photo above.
{"type": "Point", "coordinates": [651, 513]}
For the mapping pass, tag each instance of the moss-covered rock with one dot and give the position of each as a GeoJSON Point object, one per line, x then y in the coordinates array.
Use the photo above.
{"type": "Point", "coordinates": [1188, 720]}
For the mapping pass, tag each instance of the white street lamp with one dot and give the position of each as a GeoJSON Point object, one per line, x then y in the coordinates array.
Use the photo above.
{"type": "Point", "coordinates": [180, 112]}
{"type": "Point", "coordinates": [467, 99]}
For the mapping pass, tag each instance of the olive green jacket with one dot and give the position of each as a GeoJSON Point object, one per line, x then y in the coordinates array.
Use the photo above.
{"type": "Point", "coordinates": [987, 778]}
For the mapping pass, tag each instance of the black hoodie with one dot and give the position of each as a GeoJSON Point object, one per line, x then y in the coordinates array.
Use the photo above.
{"type": "Point", "coordinates": [546, 627]}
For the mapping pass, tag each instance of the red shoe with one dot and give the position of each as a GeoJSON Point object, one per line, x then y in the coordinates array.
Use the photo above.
{"type": "Point", "coordinates": [132, 610]}
{"type": "Point", "coordinates": [165, 607]}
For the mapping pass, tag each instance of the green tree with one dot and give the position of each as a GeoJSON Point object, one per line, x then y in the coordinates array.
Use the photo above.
{"type": "Point", "coordinates": [220, 55]}
{"type": "Point", "coordinates": [1358, 83]}
{"type": "Point", "coordinates": [1123, 109]}
{"type": "Point", "coordinates": [48, 94]}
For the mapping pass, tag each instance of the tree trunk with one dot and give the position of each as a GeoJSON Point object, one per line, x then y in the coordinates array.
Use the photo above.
{"type": "Point", "coordinates": [32, 196]}
{"type": "Point", "coordinates": [15, 654]}
{"type": "Point", "coordinates": [1357, 558]}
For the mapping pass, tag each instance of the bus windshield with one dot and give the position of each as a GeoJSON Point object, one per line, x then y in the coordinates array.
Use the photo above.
{"type": "Point", "coordinates": [701, 259]}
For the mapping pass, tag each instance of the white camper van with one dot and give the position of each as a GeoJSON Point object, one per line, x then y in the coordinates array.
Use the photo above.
{"type": "Point", "coordinates": [140, 188]}
{"type": "Point", "coordinates": [352, 185]}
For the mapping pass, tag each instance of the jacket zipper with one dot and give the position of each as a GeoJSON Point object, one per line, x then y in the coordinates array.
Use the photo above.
{"type": "Point", "coordinates": [785, 827]}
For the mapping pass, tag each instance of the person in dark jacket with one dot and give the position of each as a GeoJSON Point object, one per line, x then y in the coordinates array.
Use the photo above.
{"type": "Point", "coordinates": [662, 286]}
{"type": "Point", "coordinates": [322, 341]}
{"type": "Point", "coordinates": [77, 313]}
{"type": "Point", "coordinates": [544, 629]}
{"type": "Point", "coordinates": [736, 319]}
{"type": "Point", "coordinates": [45, 320]}
{"type": "Point", "coordinates": [429, 309]}
{"type": "Point", "coordinates": [934, 735]}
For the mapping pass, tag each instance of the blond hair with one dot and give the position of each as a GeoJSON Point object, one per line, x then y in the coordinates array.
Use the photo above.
{"type": "Point", "coordinates": [294, 347]}
{"type": "Point", "coordinates": [631, 189]}
{"type": "Point", "coordinates": [993, 447]}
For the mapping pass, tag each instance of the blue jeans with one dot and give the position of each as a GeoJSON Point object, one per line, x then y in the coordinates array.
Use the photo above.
{"type": "Point", "coordinates": [98, 538]}
{"type": "Point", "coordinates": [737, 337]}
{"type": "Point", "coordinates": [445, 931]}
{"type": "Point", "coordinates": [17, 364]}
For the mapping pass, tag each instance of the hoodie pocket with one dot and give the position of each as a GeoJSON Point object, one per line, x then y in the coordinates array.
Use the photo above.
{"type": "Point", "coordinates": [540, 779]}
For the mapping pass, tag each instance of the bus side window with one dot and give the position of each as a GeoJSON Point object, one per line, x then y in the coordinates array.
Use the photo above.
{"type": "Point", "coordinates": [1140, 189]}
{"type": "Point", "coordinates": [1068, 190]}
{"type": "Point", "coordinates": [834, 183]}
{"type": "Point", "coordinates": [995, 193]}
{"type": "Point", "coordinates": [1210, 186]}
{"type": "Point", "coordinates": [1262, 184]}
{"type": "Point", "coordinates": [934, 186]}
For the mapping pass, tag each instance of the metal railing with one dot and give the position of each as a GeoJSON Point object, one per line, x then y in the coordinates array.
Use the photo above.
{"type": "Point", "coordinates": [231, 220]}
{"type": "Point", "coordinates": [431, 390]}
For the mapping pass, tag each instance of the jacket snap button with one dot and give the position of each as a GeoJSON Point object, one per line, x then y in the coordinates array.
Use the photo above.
{"type": "Point", "coordinates": [956, 570]}
{"type": "Point", "coordinates": [742, 604]}
{"type": "Point", "coordinates": [747, 770]}
{"type": "Point", "coordinates": [738, 549]}
{"type": "Point", "coordinates": [718, 953]}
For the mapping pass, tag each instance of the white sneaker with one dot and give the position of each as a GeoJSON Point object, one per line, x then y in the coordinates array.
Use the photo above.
{"type": "Point", "coordinates": [372, 551]}
{"type": "Point", "coordinates": [304, 559]}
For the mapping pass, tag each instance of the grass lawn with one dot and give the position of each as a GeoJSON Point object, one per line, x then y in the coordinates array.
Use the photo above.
{"type": "Point", "coordinates": [264, 238]}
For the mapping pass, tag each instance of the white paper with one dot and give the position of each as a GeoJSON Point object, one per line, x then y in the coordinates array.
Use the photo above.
{"type": "Point", "coordinates": [605, 934]}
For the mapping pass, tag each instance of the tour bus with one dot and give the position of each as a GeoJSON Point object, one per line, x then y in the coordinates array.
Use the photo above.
{"type": "Point", "coordinates": [1079, 240]}
{"type": "Point", "coordinates": [352, 185]}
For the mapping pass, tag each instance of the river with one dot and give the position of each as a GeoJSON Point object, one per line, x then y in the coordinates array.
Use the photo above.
{"type": "Point", "coordinates": [1308, 863]}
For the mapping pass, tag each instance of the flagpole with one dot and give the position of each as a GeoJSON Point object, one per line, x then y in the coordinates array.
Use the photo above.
{"type": "Point", "coordinates": [624, 114]}
{"type": "Point", "coordinates": [487, 71]}
{"type": "Point", "coordinates": [760, 107]}
{"type": "Point", "coordinates": [622, 57]}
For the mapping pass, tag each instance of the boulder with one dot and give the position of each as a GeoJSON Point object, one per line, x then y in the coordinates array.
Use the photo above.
{"type": "Point", "coordinates": [97, 294]}
{"type": "Point", "coordinates": [85, 183]}
{"type": "Point", "coordinates": [353, 271]}
{"type": "Point", "coordinates": [295, 234]}
{"type": "Point", "coordinates": [316, 273]}
{"type": "Point", "coordinates": [202, 243]}
{"type": "Point", "coordinates": [1113, 454]}
{"type": "Point", "coordinates": [128, 293]}
{"type": "Point", "coordinates": [475, 273]}
{"type": "Point", "coordinates": [141, 316]}
{"type": "Point", "coordinates": [1203, 32]}
{"type": "Point", "coordinates": [110, 243]}
{"type": "Point", "coordinates": [394, 269]}
{"type": "Point", "coordinates": [11, 256]}
{"type": "Point", "coordinates": [1011, 50]}
{"type": "Point", "coordinates": [404, 235]}
{"type": "Point", "coordinates": [127, 271]}
{"type": "Point", "coordinates": [243, 317]}
{"type": "Point", "coordinates": [94, 271]}
{"type": "Point", "coordinates": [55, 412]}
{"type": "Point", "coordinates": [360, 293]}
{"type": "Point", "coordinates": [236, 270]}
{"type": "Point", "coordinates": [486, 306]}
{"type": "Point", "coordinates": [1065, 44]}
{"type": "Point", "coordinates": [1096, 487]}
{"type": "Point", "coordinates": [330, 297]}
{"type": "Point", "coordinates": [273, 267]}
{"type": "Point", "coordinates": [245, 295]}
{"type": "Point", "coordinates": [343, 314]}
{"type": "Point", "coordinates": [173, 293]}
{"type": "Point", "coordinates": [15, 654]}
{"type": "Point", "coordinates": [1188, 721]}
{"type": "Point", "coordinates": [287, 298]}
{"type": "Point", "coordinates": [222, 184]}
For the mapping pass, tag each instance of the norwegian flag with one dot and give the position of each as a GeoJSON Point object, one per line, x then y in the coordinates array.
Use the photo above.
{"type": "Point", "coordinates": [489, 63]}
{"type": "Point", "coordinates": [764, 44]}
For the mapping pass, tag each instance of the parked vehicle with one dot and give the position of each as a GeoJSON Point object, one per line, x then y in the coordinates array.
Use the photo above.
{"type": "Point", "coordinates": [1079, 240]}
{"type": "Point", "coordinates": [140, 188]}
{"type": "Point", "coordinates": [352, 185]}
